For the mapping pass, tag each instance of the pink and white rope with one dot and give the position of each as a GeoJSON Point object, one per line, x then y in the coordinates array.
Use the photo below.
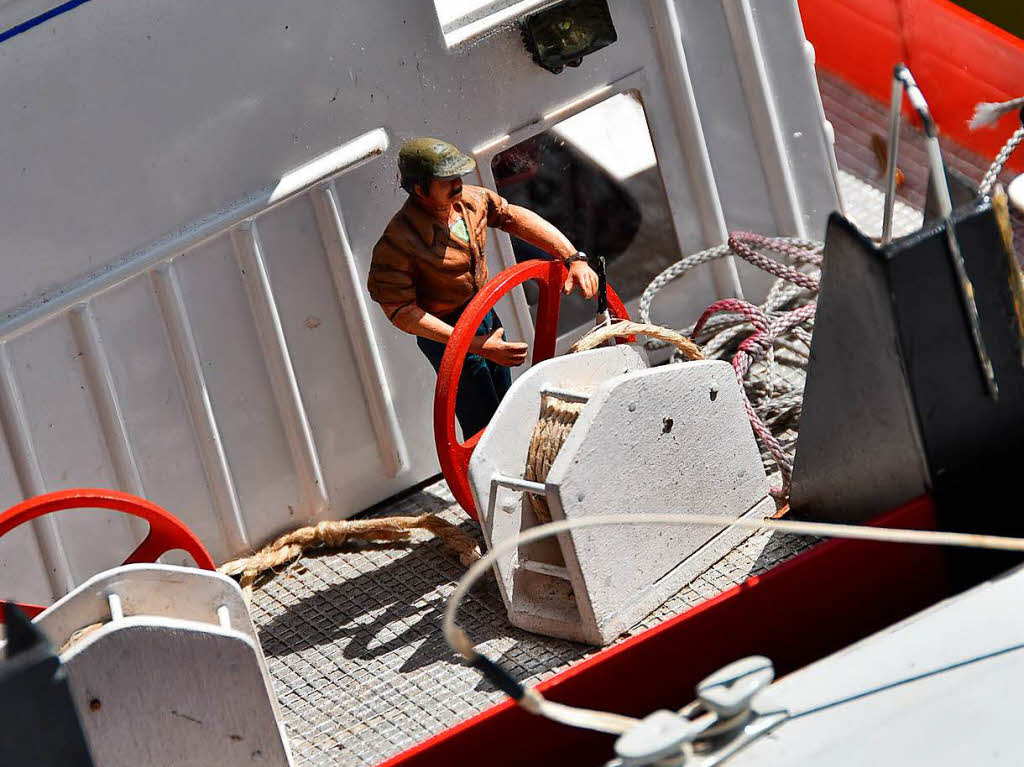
{"type": "Point", "coordinates": [751, 349]}
{"type": "Point", "coordinates": [775, 334]}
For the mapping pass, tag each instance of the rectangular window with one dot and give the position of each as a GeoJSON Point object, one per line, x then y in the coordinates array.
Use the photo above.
{"type": "Point", "coordinates": [595, 176]}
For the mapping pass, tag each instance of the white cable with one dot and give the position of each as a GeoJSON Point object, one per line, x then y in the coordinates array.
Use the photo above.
{"type": "Point", "coordinates": [608, 722]}
{"type": "Point", "coordinates": [459, 641]}
{"type": "Point", "coordinates": [584, 718]}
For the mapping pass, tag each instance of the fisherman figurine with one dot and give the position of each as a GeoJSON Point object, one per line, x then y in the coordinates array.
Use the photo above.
{"type": "Point", "coordinates": [431, 261]}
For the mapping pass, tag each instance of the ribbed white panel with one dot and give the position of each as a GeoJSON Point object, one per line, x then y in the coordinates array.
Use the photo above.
{"type": "Point", "coordinates": [240, 376]}
{"type": "Point", "coordinates": [68, 438]}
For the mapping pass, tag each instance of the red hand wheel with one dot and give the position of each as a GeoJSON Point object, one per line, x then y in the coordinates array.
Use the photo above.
{"type": "Point", "coordinates": [550, 275]}
{"type": "Point", "coordinates": [166, 532]}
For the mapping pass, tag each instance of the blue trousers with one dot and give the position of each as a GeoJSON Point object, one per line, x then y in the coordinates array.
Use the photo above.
{"type": "Point", "coordinates": [482, 383]}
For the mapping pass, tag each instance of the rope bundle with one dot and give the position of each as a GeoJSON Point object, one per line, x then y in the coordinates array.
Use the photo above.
{"type": "Point", "coordinates": [556, 421]}
{"type": "Point", "coordinates": [557, 417]}
{"type": "Point", "coordinates": [334, 533]}
{"type": "Point", "coordinates": [768, 345]}
{"type": "Point", "coordinates": [756, 346]}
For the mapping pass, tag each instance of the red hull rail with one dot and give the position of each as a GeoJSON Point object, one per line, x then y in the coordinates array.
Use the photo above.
{"type": "Point", "coordinates": [957, 58]}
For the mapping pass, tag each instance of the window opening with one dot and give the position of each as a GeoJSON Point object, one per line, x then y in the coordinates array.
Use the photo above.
{"type": "Point", "coordinates": [595, 176]}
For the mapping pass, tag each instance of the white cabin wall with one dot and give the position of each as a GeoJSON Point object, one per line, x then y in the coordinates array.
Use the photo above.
{"type": "Point", "coordinates": [808, 135]}
{"type": "Point", "coordinates": [130, 124]}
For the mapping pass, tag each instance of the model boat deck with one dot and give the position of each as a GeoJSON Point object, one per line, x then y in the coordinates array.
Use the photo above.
{"type": "Point", "coordinates": [353, 639]}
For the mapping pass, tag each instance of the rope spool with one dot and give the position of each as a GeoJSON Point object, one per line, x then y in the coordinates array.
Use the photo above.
{"type": "Point", "coordinates": [557, 417]}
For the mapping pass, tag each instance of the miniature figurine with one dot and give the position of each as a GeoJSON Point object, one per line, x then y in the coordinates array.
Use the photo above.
{"type": "Point", "coordinates": [431, 261]}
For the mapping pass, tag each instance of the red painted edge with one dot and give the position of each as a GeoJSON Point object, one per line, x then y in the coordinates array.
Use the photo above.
{"type": "Point", "coordinates": [804, 609]}
{"type": "Point", "coordinates": [958, 59]}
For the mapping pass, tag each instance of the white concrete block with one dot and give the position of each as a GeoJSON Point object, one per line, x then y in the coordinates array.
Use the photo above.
{"type": "Point", "coordinates": [668, 439]}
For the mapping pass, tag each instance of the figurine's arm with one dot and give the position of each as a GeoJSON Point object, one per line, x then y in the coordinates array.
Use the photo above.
{"type": "Point", "coordinates": [413, 319]}
{"type": "Point", "coordinates": [527, 225]}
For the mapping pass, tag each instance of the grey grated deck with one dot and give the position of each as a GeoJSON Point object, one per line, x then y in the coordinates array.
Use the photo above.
{"type": "Point", "coordinates": [353, 639]}
{"type": "Point", "coordinates": [354, 645]}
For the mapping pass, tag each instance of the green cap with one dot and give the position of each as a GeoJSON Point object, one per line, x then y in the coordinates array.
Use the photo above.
{"type": "Point", "coordinates": [422, 159]}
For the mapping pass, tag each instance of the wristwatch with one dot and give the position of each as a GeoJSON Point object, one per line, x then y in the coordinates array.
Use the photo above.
{"type": "Point", "coordinates": [579, 255]}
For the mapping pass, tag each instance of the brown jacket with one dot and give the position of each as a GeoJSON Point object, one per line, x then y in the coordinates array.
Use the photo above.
{"type": "Point", "coordinates": [417, 260]}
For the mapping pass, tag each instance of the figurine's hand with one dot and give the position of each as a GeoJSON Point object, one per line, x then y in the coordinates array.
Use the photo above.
{"type": "Point", "coordinates": [496, 349]}
{"type": "Point", "coordinates": [583, 276]}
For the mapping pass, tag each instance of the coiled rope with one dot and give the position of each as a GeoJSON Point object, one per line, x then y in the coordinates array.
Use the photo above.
{"type": "Point", "coordinates": [768, 345]}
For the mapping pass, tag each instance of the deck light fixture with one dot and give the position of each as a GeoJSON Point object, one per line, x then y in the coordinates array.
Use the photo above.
{"type": "Point", "coordinates": [561, 35]}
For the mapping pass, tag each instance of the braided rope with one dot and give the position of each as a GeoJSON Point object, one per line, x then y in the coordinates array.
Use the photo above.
{"type": "Point", "coordinates": [741, 243]}
{"type": "Point", "coordinates": [768, 345]}
{"type": "Point", "coordinates": [756, 346]}
{"type": "Point", "coordinates": [623, 328]}
{"type": "Point", "coordinates": [802, 252]}
{"type": "Point", "coordinates": [676, 270]}
{"type": "Point", "coordinates": [989, 179]}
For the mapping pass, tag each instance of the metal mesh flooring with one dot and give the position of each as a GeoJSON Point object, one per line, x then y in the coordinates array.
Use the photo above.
{"type": "Point", "coordinates": [353, 638]}
{"type": "Point", "coordinates": [354, 645]}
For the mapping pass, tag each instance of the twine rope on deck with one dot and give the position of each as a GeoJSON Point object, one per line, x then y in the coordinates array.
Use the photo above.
{"type": "Point", "coordinates": [557, 416]}
{"type": "Point", "coordinates": [335, 533]}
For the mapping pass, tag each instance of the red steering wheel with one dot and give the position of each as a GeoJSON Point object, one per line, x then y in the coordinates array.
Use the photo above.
{"type": "Point", "coordinates": [550, 276]}
{"type": "Point", "coordinates": [166, 532]}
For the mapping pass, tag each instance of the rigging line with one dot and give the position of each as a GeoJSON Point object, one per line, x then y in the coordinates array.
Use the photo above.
{"type": "Point", "coordinates": [908, 680]}
{"type": "Point", "coordinates": [35, 21]}
{"type": "Point", "coordinates": [532, 700]}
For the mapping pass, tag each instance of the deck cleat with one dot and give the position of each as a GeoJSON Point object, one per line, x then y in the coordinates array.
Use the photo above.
{"type": "Point", "coordinates": [659, 737]}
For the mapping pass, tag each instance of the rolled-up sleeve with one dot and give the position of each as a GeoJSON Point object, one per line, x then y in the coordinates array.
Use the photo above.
{"type": "Point", "coordinates": [497, 209]}
{"type": "Point", "coordinates": [391, 279]}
